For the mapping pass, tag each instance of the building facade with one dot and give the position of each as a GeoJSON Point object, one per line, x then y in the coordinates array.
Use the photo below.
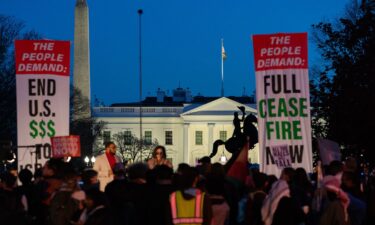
{"type": "Point", "coordinates": [187, 129]}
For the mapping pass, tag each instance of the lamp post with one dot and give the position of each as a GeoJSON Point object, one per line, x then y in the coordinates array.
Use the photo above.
{"type": "Point", "coordinates": [140, 12]}
{"type": "Point", "coordinates": [87, 160]}
{"type": "Point", "coordinates": [223, 158]}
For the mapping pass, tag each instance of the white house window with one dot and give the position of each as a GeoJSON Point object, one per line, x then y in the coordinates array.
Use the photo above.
{"type": "Point", "coordinates": [127, 137]}
{"type": "Point", "coordinates": [148, 137]}
{"type": "Point", "coordinates": [198, 137]}
{"type": "Point", "coordinates": [223, 135]}
{"type": "Point", "coordinates": [168, 137]}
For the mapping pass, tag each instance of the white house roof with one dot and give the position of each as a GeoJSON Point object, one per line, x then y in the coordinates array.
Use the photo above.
{"type": "Point", "coordinates": [220, 106]}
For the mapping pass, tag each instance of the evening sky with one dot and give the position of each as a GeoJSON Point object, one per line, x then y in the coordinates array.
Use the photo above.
{"type": "Point", "coordinates": [181, 40]}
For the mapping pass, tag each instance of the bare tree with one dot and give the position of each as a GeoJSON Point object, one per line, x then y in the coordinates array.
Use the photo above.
{"type": "Point", "coordinates": [88, 128]}
{"type": "Point", "coordinates": [10, 29]}
{"type": "Point", "coordinates": [129, 147]}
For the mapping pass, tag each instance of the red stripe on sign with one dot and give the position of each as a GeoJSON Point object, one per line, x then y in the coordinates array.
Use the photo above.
{"type": "Point", "coordinates": [42, 57]}
{"type": "Point", "coordinates": [280, 51]}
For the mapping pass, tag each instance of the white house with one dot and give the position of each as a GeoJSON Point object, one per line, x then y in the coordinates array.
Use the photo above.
{"type": "Point", "coordinates": [187, 129]}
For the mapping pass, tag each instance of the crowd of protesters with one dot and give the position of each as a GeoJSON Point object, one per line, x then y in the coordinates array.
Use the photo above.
{"type": "Point", "coordinates": [58, 194]}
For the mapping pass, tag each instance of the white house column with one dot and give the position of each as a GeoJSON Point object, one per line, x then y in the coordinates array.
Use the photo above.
{"type": "Point", "coordinates": [210, 136]}
{"type": "Point", "coordinates": [186, 141]}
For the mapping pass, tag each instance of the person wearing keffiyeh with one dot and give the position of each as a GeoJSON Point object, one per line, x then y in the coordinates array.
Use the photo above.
{"type": "Point", "coordinates": [279, 190]}
{"type": "Point", "coordinates": [335, 208]}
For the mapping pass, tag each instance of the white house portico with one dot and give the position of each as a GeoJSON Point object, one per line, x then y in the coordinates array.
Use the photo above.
{"type": "Point", "coordinates": [187, 130]}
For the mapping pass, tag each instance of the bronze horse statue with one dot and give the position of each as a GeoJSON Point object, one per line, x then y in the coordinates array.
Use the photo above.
{"type": "Point", "coordinates": [239, 137]}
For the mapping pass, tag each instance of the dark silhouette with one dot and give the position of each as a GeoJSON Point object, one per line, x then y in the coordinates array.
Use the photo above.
{"type": "Point", "coordinates": [238, 139]}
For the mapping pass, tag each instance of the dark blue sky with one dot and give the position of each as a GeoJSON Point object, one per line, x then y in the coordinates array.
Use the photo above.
{"type": "Point", "coordinates": [181, 39]}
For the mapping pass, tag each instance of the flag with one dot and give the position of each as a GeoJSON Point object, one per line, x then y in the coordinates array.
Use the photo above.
{"type": "Point", "coordinates": [223, 54]}
{"type": "Point", "coordinates": [329, 151]}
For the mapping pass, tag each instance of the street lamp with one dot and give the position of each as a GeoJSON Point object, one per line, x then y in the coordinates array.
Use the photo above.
{"type": "Point", "coordinates": [87, 160]}
{"type": "Point", "coordinates": [223, 158]}
{"type": "Point", "coordinates": [11, 157]}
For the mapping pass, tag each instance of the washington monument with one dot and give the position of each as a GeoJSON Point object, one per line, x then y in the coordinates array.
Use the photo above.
{"type": "Point", "coordinates": [81, 61]}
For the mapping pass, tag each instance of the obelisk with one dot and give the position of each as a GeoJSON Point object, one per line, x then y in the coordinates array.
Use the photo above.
{"type": "Point", "coordinates": [81, 69]}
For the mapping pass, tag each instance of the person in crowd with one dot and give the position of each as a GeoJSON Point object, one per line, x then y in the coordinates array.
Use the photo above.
{"type": "Point", "coordinates": [12, 211]}
{"type": "Point", "coordinates": [89, 179]}
{"type": "Point", "coordinates": [255, 199]}
{"type": "Point", "coordinates": [204, 168]}
{"type": "Point", "coordinates": [335, 168]}
{"type": "Point", "coordinates": [204, 165]}
{"type": "Point", "coordinates": [63, 206]}
{"type": "Point", "coordinates": [177, 177]}
{"type": "Point", "coordinates": [161, 188]}
{"type": "Point", "coordinates": [114, 188]}
{"type": "Point", "coordinates": [302, 190]}
{"type": "Point", "coordinates": [105, 163]}
{"type": "Point", "coordinates": [215, 187]}
{"type": "Point", "coordinates": [350, 165]}
{"type": "Point", "coordinates": [279, 207]}
{"type": "Point", "coordinates": [52, 173]}
{"type": "Point", "coordinates": [38, 175]}
{"type": "Point", "coordinates": [27, 189]}
{"type": "Point", "coordinates": [279, 189]}
{"type": "Point", "coordinates": [136, 197]}
{"type": "Point", "coordinates": [334, 203]}
{"type": "Point", "coordinates": [97, 211]}
{"type": "Point", "coordinates": [288, 175]}
{"type": "Point", "coordinates": [350, 183]}
{"type": "Point", "coordinates": [159, 157]}
{"type": "Point", "coordinates": [271, 179]}
{"type": "Point", "coordinates": [357, 206]}
{"type": "Point", "coordinates": [190, 205]}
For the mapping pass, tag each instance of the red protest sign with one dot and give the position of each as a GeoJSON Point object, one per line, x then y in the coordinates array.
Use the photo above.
{"type": "Point", "coordinates": [280, 51]}
{"type": "Point", "coordinates": [65, 146]}
{"type": "Point", "coordinates": [42, 57]}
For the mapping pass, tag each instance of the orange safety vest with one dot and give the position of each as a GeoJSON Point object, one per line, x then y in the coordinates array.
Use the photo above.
{"type": "Point", "coordinates": [187, 212]}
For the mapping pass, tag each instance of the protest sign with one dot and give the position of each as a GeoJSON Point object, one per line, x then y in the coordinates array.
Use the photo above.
{"type": "Point", "coordinates": [42, 79]}
{"type": "Point", "coordinates": [283, 99]}
{"type": "Point", "coordinates": [65, 146]}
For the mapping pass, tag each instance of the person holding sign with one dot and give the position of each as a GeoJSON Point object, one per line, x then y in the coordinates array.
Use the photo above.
{"type": "Point", "coordinates": [105, 163]}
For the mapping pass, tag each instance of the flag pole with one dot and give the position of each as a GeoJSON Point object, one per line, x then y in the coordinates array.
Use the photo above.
{"type": "Point", "coordinates": [140, 12]}
{"type": "Point", "coordinates": [222, 68]}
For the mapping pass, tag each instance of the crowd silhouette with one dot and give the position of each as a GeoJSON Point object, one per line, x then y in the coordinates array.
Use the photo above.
{"type": "Point", "coordinates": [59, 194]}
